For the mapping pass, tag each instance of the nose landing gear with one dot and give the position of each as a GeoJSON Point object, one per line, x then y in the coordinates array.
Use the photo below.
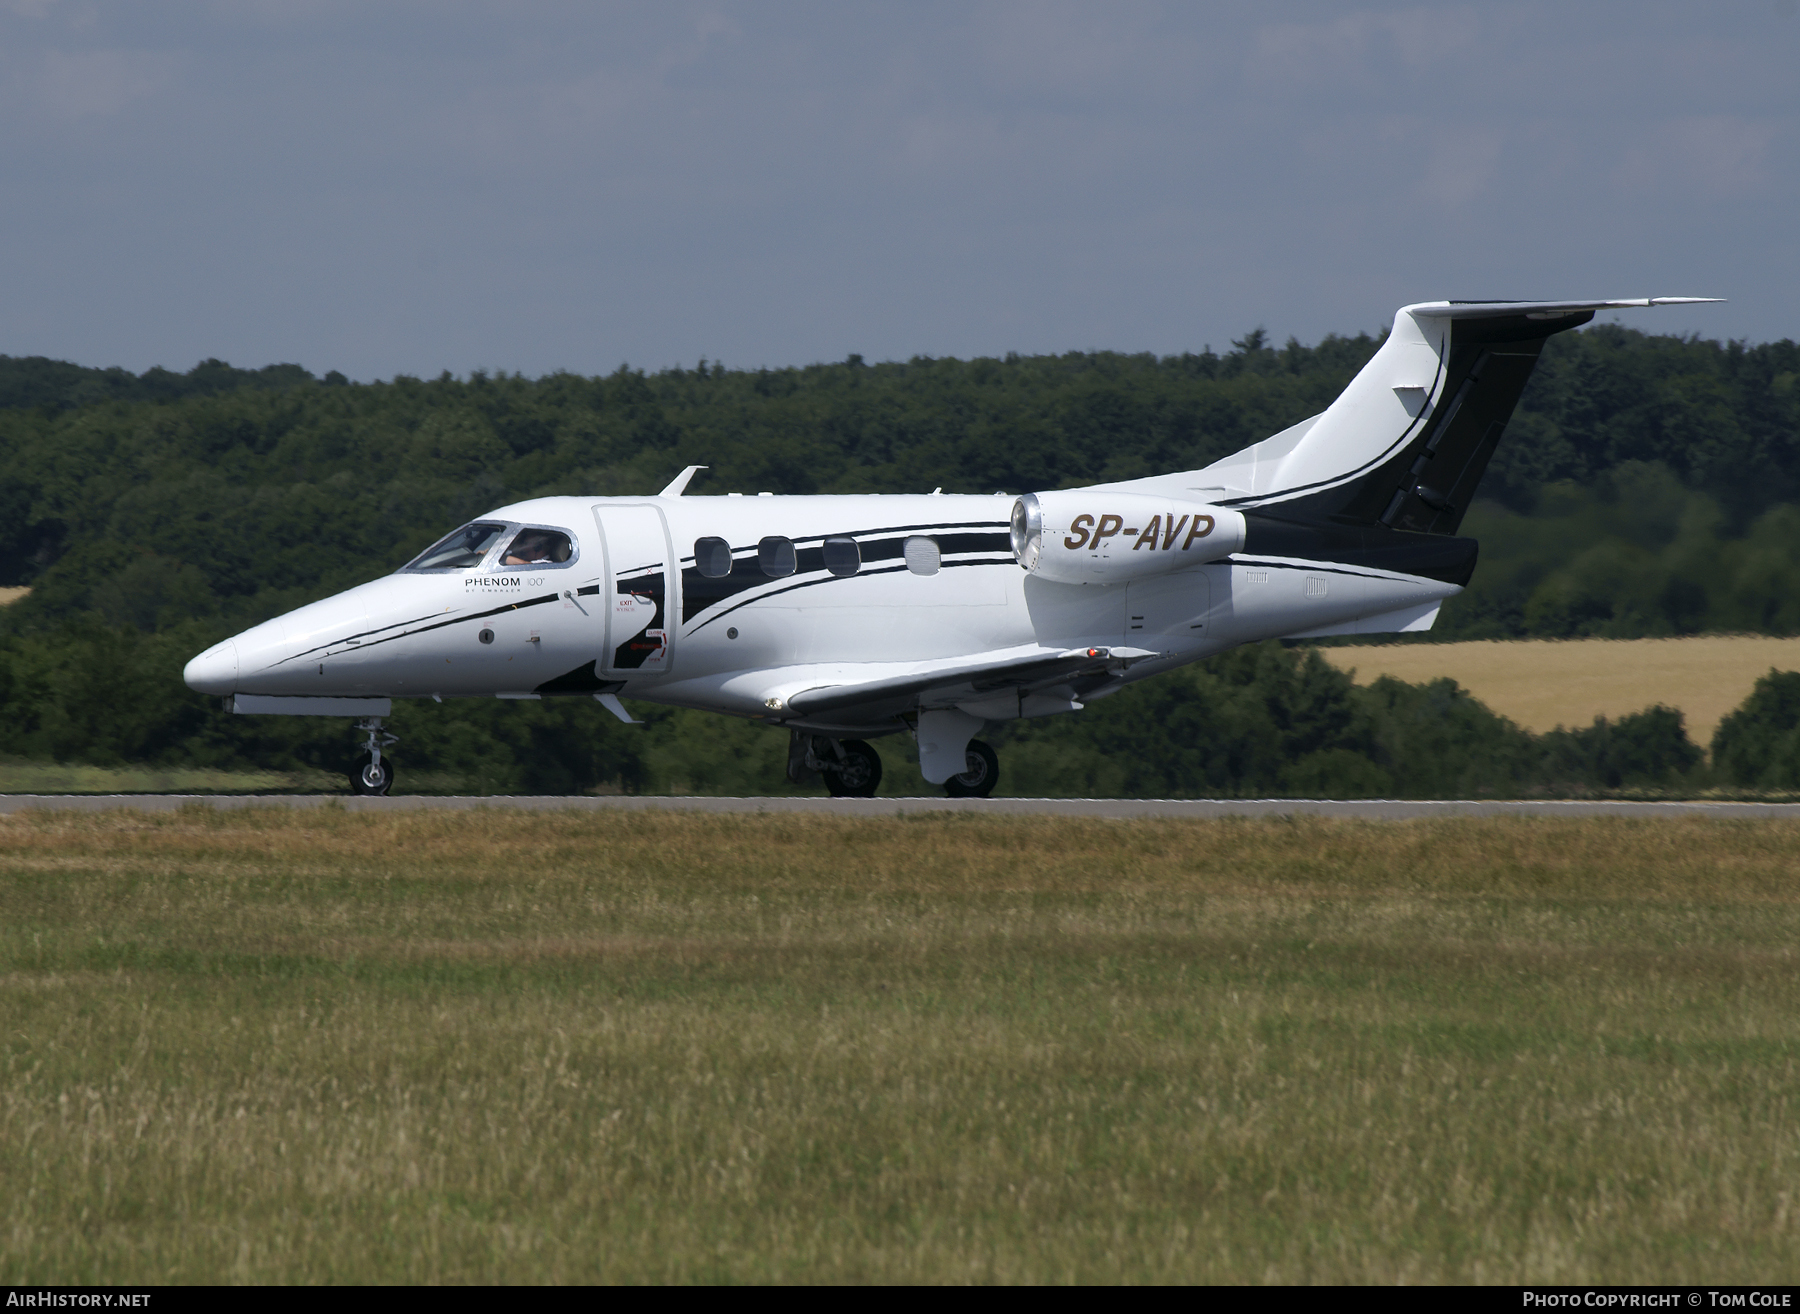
{"type": "Point", "coordinates": [374, 775]}
{"type": "Point", "coordinates": [849, 767]}
{"type": "Point", "coordinates": [856, 773]}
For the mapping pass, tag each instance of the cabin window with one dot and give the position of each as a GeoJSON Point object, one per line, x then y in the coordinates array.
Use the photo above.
{"type": "Point", "coordinates": [922, 555]}
{"type": "Point", "coordinates": [712, 556]}
{"type": "Point", "coordinates": [842, 556]}
{"type": "Point", "coordinates": [462, 550]}
{"type": "Point", "coordinates": [535, 546]}
{"type": "Point", "coordinates": [776, 557]}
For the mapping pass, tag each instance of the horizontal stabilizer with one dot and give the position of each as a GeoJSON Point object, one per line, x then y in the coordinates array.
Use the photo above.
{"type": "Point", "coordinates": [1542, 309]}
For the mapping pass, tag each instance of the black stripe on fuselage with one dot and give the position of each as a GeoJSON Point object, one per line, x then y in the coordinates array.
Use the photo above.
{"type": "Point", "coordinates": [426, 629]}
{"type": "Point", "coordinates": [842, 579]}
{"type": "Point", "coordinates": [1306, 567]}
{"type": "Point", "coordinates": [859, 534]}
{"type": "Point", "coordinates": [362, 634]}
{"type": "Point", "coordinates": [701, 592]}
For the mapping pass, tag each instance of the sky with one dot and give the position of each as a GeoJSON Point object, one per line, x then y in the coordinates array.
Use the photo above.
{"type": "Point", "coordinates": [383, 188]}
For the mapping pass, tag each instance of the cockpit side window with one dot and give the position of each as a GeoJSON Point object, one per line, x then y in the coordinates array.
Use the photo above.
{"type": "Point", "coordinates": [462, 550]}
{"type": "Point", "coordinates": [537, 546]}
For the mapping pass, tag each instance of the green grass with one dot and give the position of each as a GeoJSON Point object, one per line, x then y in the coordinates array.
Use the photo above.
{"type": "Point", "coordinates": [22, 777]}
{"type": "Point", "coordinates": [501, 1047]}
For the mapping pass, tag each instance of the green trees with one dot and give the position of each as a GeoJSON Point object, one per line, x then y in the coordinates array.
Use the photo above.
{"type": "Point", "coordinates": [1644, 487]}
{"type": "Point", "coordinates": [1634, 553]}
{"type": "Point", "coordinates": [1647, 485]}
{"type": "Point", "coordinates": [1259, 721]}
{"type": "Point", "coordinates": [1759, 744]}
{"type": "Point", "coordinates": [1269, 720]}
{"type": "Point", "coordinates": [280, 485]}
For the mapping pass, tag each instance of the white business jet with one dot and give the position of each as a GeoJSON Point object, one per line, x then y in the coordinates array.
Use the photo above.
{"type": "Point", "coordinates": [843, 618]}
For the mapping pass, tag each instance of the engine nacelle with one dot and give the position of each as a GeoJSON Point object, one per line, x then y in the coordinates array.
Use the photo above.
{"type": "Point", "coordinates": [1085, 536]}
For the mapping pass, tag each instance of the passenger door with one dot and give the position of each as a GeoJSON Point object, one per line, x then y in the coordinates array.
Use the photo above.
{"type": "Point", "coordinates": [641, 579]}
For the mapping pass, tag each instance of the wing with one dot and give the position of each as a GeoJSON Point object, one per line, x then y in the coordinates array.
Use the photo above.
{"type": "Point", "coordinates": [876, 692]}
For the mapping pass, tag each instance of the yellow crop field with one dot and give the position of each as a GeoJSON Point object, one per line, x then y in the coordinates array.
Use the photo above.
{"type": "Point", "coordinates": [12, 595]}
{"type": "Point", "coordinates": [1544, 683]}
{"type": "Point", "coordinates": [324, 1046]}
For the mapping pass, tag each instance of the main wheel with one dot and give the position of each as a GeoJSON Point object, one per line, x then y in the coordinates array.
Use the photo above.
{"type": "Point", "coordinates": [372, 777]}
{"type": "Point", "coordinates": [981, 777]}
{"type": "Point", "coordinates": [858, 775]}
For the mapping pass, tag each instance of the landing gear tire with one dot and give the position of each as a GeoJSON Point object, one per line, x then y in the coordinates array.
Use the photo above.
{"type": "Point", "coordinates": [372, 777]}
{"type": "Point", "coordinates": [857, 775]}
{"type": "Point", "coordinates": [981, 777]}
{"type": "Point", "coordinates": [375, 773]}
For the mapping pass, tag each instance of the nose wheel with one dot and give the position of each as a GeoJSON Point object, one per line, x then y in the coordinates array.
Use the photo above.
{"type": "Point", "coordinates": [856, 774]}
{"type": "Point", "coordinates": [374, 774]}
{"type": "Point", "coordinates": [849, 767]}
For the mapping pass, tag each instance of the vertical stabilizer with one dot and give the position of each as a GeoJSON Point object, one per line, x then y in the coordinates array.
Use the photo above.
{"type": "Point", "coordinates": [1405, 445]}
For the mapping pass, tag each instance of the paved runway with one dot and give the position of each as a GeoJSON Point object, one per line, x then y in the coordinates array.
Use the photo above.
{"type": "Point", "coordinates": [1370, 809]}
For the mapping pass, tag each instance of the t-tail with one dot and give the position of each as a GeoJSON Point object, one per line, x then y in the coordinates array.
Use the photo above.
{"type": "Point", "coordinates": [1385, 474]}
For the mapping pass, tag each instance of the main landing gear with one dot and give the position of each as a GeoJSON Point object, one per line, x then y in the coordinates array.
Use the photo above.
{"type": "Point", "coordinates": [374, 775]}
{"type": "Point", "coordinates": [849, 767]}
{"type": "Point", "coordinates": [852, 769]}
{"type": "Point", "coordinates": [981, 777]}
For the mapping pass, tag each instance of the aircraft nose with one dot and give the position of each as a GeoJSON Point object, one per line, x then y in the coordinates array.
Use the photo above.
{"type": "Point", "coordinates": [214, 671]}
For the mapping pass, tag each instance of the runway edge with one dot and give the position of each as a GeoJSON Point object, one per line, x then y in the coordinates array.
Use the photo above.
{"type": "Point", "coordinates": [1121, 809]}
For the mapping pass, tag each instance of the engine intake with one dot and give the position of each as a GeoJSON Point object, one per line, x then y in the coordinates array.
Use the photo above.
{"type": "Point", "coordinates": [1094, 537]}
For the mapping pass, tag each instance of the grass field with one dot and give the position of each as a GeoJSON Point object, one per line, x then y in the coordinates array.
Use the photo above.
{"type": "Point", "coordinates": [494, 1047]}
{"type": "Point", "coordinates": [1544, 683]}
{"type": "Point", "coordinates": [75, 778]}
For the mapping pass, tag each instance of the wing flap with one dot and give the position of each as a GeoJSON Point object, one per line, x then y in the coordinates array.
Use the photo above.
{"type": "Point", "coordinates": [982, 675]}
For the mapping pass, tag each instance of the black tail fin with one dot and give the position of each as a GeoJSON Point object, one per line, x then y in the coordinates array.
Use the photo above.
{"type": "Point", "coordinates": [1405, 445]}
{"type": "Point", "coordinates": [1425, 482]}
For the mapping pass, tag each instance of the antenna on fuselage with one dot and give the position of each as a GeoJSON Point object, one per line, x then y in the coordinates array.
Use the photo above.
{"type": "Point", "coordinates": [680, 481]}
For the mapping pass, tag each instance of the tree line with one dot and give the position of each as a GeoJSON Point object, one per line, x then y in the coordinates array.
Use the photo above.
{"type": "Point", "coordinates": [1647, 485]}
{"type": "Point", "coordinates": [1266, 720]}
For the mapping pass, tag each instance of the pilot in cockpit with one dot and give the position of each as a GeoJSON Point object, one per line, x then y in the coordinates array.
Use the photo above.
{"type": "Point", "coordinates": [537, 547]}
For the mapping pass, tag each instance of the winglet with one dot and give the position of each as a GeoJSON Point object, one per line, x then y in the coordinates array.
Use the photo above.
{"type": "Point", "coordinates": [680, 481]}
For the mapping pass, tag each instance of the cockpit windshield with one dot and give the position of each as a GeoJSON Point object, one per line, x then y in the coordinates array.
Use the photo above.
{"type": "Point", "coordinates": [462, 550]}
